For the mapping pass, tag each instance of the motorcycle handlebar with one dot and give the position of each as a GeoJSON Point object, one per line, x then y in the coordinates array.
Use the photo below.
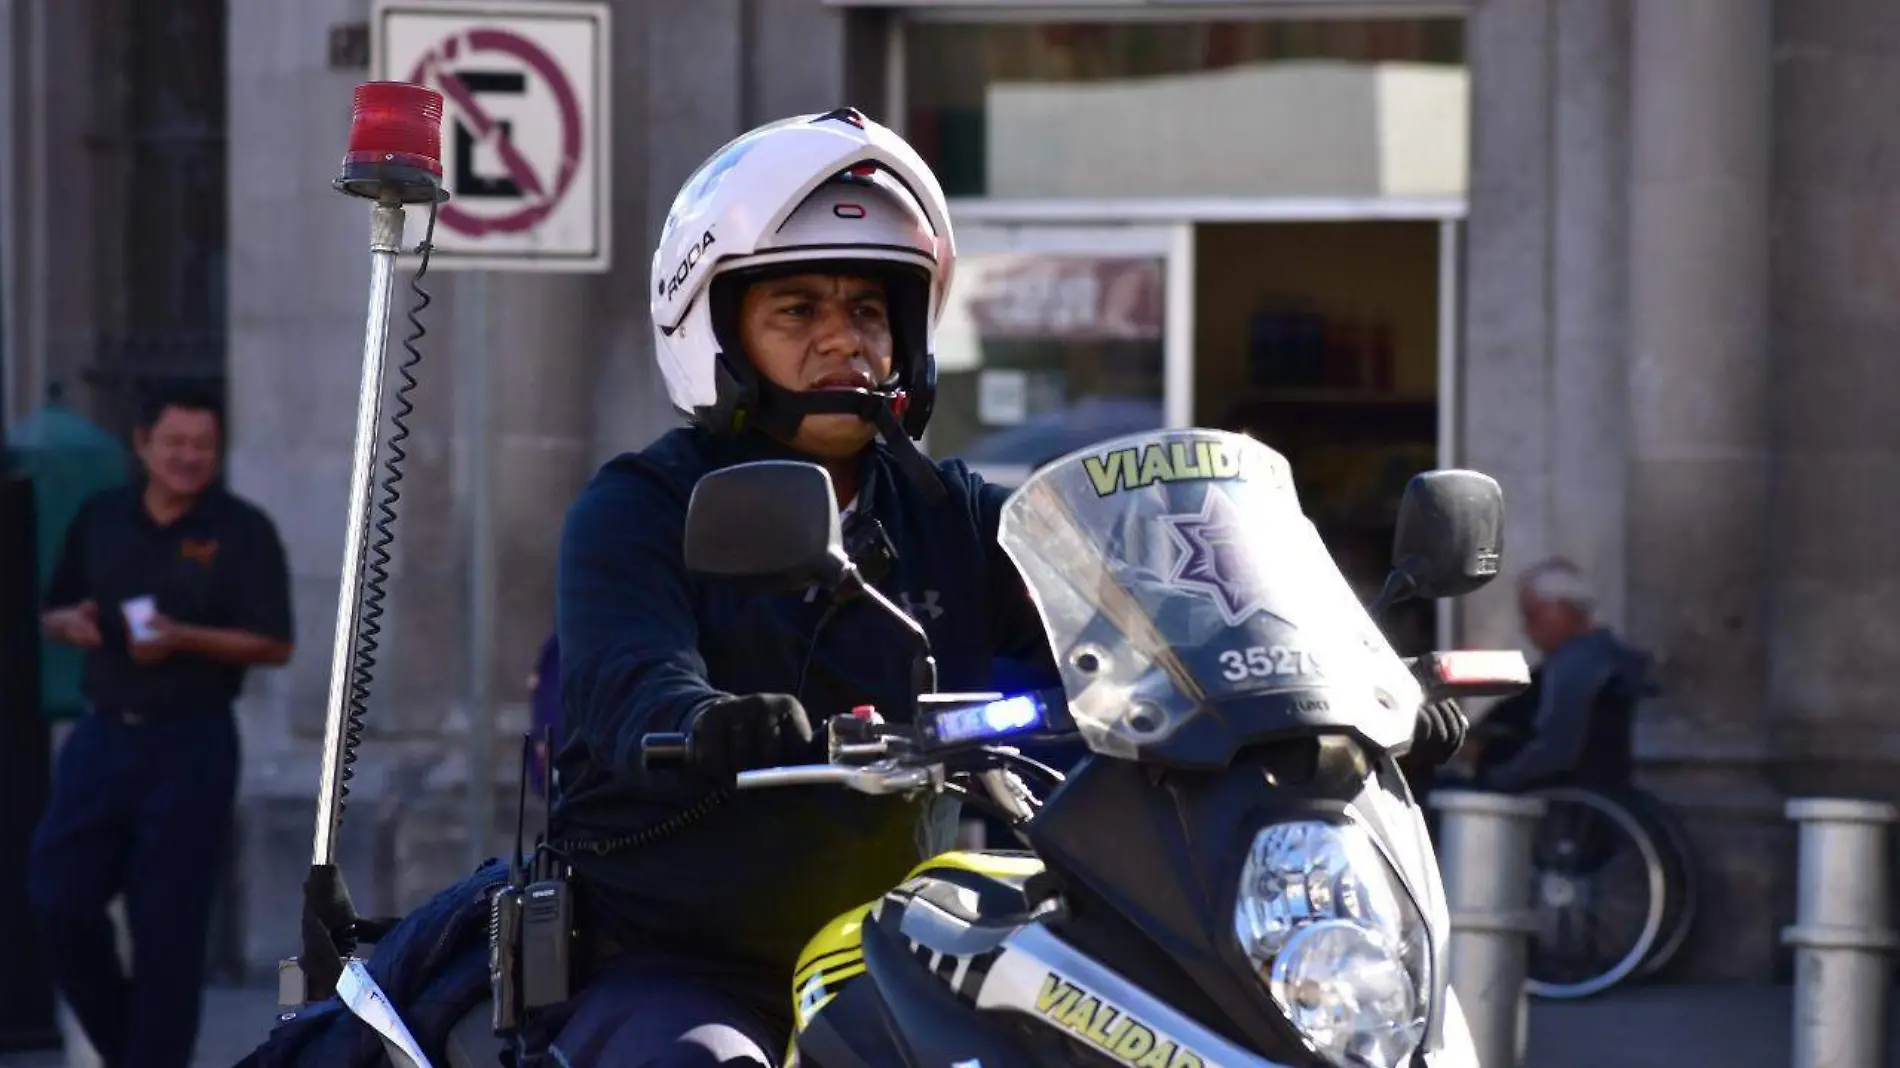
{"type": "Point", "coordinates": [875, 779]}
{"type": "Point", "coordinates": [666, 751]}
{"type": "Point", "coordinates": [671, 751]}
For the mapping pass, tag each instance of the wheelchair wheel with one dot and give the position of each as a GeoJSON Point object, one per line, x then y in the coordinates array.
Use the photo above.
{"type": "Point", "coordinates": [1600, 894]}
{"type": "Point", "coordinates": [1679, 874]}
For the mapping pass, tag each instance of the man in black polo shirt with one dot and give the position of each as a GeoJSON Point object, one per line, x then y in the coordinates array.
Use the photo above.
{"type": "Point", "coordinates": [174, 588]}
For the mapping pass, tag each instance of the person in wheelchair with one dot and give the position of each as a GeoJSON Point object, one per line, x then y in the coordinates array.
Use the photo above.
{"type": "Point", "coordinates": [1572, 726]}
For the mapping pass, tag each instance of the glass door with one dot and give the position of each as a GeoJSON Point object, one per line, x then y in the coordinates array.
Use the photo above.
{"type": "Point", "coordinates": [1057, 337]}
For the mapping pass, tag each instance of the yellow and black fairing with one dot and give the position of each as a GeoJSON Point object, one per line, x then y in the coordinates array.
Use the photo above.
{"type": "Point", "coordinates": [976, 898]}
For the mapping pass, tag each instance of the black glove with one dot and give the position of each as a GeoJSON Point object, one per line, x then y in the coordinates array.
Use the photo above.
{"type": "Point", "coordinates": [1440, 732]}
{"type": "Point", "coordinates": [761, 730]}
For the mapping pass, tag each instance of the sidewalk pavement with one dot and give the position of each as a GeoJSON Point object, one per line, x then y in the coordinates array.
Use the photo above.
{"type": "Point", "coordinates": [1647, 1027]}
{"type": "Point", "coordinates": [1674, 1026]}
{"type": "Point", "coordinates": [236, 1019]}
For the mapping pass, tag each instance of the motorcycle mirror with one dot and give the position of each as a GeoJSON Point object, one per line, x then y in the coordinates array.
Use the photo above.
{"type": "Point", "coordinates": [772, 523]}
{"type": "Point", "coordinates": [1450, 538]}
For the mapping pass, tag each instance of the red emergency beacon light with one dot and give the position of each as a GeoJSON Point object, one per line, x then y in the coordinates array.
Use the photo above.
{"type": "Point", "coordinates": [395, 151]}
{"type": "Point", "coordinates": [394, 160]}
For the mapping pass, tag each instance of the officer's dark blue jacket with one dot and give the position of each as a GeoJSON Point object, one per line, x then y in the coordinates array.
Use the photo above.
{"type": "Point", "coordinates": [750, 876]}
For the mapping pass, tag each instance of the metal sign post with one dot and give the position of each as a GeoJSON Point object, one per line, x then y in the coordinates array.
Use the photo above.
{"type": "Point", "coordinates": [471, 302]}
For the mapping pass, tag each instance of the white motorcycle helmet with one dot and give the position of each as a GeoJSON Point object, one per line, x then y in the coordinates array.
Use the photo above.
{"type": "Point", "coordinates": [832, 193]}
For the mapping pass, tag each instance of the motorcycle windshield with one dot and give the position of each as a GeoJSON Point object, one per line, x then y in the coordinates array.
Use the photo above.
{"type": "Point", "coordinates": [1191, 605]}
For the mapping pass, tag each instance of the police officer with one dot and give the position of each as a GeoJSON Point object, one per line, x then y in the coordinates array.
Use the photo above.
{"type": "Point", "coordinates": [174, 588]}
{"type": "Point", "coordinates": [801, 271]}
{"type": "Point", "coordinates": [799, 277]}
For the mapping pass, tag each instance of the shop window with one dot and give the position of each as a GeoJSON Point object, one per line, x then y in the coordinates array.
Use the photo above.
{"type": "Point", "coordinates": [1043, 353]}
{"type": "Point", "coordinates": [1321, 340]}
{"type": "Point", "coordinates": [1233, 108]}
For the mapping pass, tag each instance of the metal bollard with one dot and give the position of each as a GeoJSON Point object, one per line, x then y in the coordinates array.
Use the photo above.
{"type": "Point", "coordinates": [1842, 937]}
{"type": "Point", "coordinates": [1484, 847]}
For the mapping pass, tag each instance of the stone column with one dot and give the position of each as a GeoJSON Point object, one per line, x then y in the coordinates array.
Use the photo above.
{"type": "Point", "coordinates": [14, 382]}
{"type": "Point", "coordinates": [1699, 445]}
{"type": "Point", "coordinates": [541, 341]}
{"type": "Point", "coordinates": [1506, 352]}
{"type": "Point", "coordinates": [1544, 307]}
{"type": "Point", "coordinates": [1589, 298]}
{"type": "Point", "coordinates": [1836, 327]}
{"type": "Point", "coordinates": [697, 73]}
{"type": "Point", "coordinates": [49, 314]}
{"type": "Point", "coordinates": [690, 101]}
{"type": "Point", "coordinates": [798, 59]}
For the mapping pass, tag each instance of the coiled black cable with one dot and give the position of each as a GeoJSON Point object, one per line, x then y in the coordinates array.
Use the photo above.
{"type": "Point", "coordinates": [376, 570]}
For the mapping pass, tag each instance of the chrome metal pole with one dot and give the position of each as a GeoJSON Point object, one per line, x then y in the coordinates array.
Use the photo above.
{"type": "Point", "coordinates": [471, 300]}
{"type": "Point", "coordinates": [386, 221]}
{"type": "Point", "coordinates": [1485, 846]}
{"type": "Point", "coordinates": [1842, 937]}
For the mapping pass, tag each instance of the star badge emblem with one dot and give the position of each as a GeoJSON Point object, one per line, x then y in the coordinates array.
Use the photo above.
{"type": "Point", "coordinates": [1214, 560]}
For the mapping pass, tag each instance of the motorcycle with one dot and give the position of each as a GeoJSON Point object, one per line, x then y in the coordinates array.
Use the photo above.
{"type": "Point", "coordinates": [1237, 873]}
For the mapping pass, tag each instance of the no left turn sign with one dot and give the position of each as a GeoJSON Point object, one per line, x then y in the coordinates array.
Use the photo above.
{"type": "Point", "coordinates": [525, 143]}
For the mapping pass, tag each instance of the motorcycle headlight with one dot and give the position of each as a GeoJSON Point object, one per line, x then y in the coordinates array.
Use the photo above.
{"type": "Point", "coordinates": [1337, 941]}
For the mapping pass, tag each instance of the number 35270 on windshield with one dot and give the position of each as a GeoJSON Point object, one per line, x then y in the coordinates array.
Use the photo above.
{"type": "Point", "coordinates": [1266, 662]}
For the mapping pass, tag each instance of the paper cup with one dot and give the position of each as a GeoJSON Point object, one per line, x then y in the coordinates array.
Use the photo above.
{"type": "Point", "coordinates": [138, 617]}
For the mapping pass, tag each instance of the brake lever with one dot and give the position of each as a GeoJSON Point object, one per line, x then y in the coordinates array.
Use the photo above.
{"type": "Point", "coordinates": [863, 737]}
{"type": "Point", "coordinates": [860, 754]}
{"type": "Point", "coordinates": [875, 779]}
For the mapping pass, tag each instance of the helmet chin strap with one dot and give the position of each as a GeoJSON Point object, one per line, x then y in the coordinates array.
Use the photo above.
{"type": "Point", "coordinates": [780, 411]}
